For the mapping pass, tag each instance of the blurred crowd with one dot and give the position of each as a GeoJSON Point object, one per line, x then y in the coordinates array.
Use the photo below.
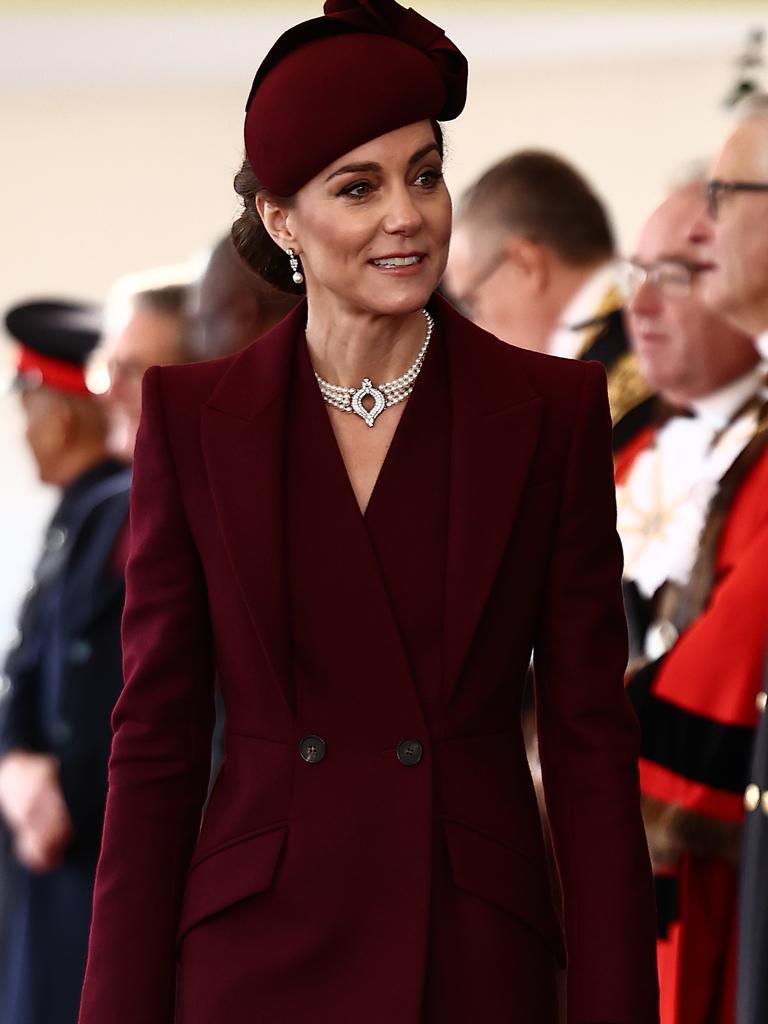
{"type": "Point", "coordinates": [680, 323]}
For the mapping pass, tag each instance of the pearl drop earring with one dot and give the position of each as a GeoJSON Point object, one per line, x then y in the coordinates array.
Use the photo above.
{"type": "Point", "coordinates": [298, 277]}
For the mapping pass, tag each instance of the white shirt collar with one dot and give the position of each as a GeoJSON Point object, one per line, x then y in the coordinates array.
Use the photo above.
{"type": "Point", "coordinates": [718, 407]}
{"type": "Point", "coordinates": [566, 340]}
{"type": "Point", "coordinates": [761, 342]}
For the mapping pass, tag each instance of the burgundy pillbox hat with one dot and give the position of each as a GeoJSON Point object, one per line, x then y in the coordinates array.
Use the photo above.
{"type": "Point", "coordinates": [367, 67]}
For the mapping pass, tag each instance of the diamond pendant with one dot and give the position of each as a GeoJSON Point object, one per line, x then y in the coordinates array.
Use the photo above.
{"type": "Point", "coordinates": [378, 402]}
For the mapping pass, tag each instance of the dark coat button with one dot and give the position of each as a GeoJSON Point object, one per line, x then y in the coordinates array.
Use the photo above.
{"type": "Point", "coordinates": [409, 752]}
{"type": "Point", "coordinates": [79, 652]}
{"type": "Point", "coordinates": [312, 749]}
{"type": "Point", "coordinates": [56, 539]}
{"type": "Point", "coordinates": [62, 732]}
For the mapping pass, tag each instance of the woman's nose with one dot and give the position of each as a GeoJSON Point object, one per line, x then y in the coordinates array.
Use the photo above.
{"type": "Point", "coordinates": [402, 216]}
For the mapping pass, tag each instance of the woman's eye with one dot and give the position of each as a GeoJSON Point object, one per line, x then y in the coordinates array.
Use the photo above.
{"type": "Point", "coordinates": [429, 179]}
{"type": "Point", "coordinates": [357, 189]}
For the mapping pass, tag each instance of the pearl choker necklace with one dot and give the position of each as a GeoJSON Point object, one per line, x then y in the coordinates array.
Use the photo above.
{"type": "Point", "coordinates": [384, 395]}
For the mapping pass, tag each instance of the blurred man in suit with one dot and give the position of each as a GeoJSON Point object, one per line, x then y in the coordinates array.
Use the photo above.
{"type": "Point", "coordinates": [692, 500]}
{"type": "Point", "coordinates": [532, 261]}
{"type": "Point", "coordinates": [731, 235]}
{"type": "Point", "coordinates": [64, 673]}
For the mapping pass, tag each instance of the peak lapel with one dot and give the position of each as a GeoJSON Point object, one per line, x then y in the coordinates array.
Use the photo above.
{"type": "Point", "coordinates": [243, 437]}
{"type": "Point", "coordinates": [495, 426]}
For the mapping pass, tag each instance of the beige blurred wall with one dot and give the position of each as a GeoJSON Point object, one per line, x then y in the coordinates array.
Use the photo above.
{"type": "Point", "coordinates": [121, 132]}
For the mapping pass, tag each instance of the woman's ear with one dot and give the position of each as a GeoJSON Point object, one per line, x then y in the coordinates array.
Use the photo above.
{"type": "Point", "coordinates": [276, 221]}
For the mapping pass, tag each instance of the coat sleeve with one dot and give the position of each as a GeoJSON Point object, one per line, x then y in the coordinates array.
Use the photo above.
{"type": "Point", "coordinates": [589, 741]}
{"type": "Point", "coordinates": [18, 709]}
{"type": "Point", "coordinates": [159, 764]}
{"type": "Point", "coordinates": [20, 685]}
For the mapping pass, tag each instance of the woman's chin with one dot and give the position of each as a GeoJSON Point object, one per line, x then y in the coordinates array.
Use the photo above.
{"type": "Point", "coordinates": [395, 298]}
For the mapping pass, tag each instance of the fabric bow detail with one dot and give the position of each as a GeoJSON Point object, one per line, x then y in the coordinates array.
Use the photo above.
{"type": "Point", "coordinates": [386, 17]}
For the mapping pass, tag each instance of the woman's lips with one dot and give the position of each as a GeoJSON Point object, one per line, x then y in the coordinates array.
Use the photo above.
{"type": "Point", "coordinates": [400, 266]}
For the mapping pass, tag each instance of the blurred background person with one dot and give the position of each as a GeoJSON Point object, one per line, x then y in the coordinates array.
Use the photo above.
{"type": "Point", "coordinates": [731, 234]}
{"type": "Point", "coordinates": [533, 261]}
{"type": "Point", "coordinates": [146, 324]}
{"type": "Point", "coordinates": [231, 305]}
{"type": "Point", "coordinates": [693, 518]}
{"type": "Point", "coordinates": [64, 672]}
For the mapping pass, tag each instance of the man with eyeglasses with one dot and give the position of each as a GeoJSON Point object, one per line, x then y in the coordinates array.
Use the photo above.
{"type": "Point", "coordinates": [532, 261]}
{"type": "Point", "coordinates": [146, 324]}
{"type": "Point", "coordinates": [731, 234]}
{"type": "Point", "coordinates": [692, 497]}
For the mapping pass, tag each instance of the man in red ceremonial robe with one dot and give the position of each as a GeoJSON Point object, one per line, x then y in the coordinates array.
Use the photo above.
{"type": "Point", "coordinates": [731, 231]}
{"type": "Point", "coordinates": [693, 517]}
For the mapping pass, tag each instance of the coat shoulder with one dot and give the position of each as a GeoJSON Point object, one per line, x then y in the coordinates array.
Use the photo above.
{"type": "Point", "coordinates": [191, 383]}
{"type": "Point", "coordinates": [558, 382]}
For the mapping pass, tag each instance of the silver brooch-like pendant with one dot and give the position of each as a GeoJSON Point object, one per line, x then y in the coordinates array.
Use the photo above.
{"type": "Point", "coordinates": [369, 415]}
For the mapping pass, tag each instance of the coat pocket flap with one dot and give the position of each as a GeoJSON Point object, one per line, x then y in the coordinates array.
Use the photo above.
{"type": "Point", "coordinates": [230, 874]}
{"type": "Point", "coordinates": [497, 873]}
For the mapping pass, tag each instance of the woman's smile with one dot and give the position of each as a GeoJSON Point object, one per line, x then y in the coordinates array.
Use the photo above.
{"type": "Point", "coordinates": [400, 265]}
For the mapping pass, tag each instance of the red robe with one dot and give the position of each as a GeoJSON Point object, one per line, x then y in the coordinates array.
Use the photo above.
{"type": "Point", "coordinates": [697, 711]}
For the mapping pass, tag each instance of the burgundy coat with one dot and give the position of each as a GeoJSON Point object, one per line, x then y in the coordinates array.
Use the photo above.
{"type": "Point", "coordinates": [358, 887]}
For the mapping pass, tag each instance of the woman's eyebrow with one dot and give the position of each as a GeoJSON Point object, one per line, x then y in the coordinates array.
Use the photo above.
{"type": "Point", "coordinates": [354, 168]}
{"type": "Point", "coordinates": [422, 153]}
{"type": "Point", "coordinates": [373, 168]}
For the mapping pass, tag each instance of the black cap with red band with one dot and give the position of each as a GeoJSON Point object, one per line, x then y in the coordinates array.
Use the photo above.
{"type": "Point", "coordinates": [55, 338]}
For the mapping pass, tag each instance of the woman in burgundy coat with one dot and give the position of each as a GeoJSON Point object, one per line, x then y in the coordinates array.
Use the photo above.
{"type": "Point", "coordinates": [366, 568]}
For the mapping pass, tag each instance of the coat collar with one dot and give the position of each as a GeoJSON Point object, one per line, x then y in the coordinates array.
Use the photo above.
{"type": "Point", "coordinates": [495, 424]}
{"type": "Point", "coordinates": [243, 439]}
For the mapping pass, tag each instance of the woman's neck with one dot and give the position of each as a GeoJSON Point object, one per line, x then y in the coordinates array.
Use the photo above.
{"type": "Point", "coordinates": [347, 346]}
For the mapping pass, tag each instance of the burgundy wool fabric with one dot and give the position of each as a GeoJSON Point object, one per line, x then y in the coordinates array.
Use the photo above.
{"type": "Point", "coordinates": [333, 83]}
{"type": "Point", "coordinates": [358, 888]}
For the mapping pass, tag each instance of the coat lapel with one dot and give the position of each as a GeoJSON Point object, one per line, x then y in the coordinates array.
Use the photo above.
{"type": "Point", "coordinates": [243, 439]}
{"type": "Point", "coordinates": [495, 426]}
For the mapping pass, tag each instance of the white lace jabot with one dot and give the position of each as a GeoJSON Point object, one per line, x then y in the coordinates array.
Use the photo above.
{"type": "Point", "coordinates": [663, 503]}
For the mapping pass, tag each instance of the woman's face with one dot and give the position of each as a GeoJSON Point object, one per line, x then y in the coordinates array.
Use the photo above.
{"type": "Point", "coordinates": [373, 228]}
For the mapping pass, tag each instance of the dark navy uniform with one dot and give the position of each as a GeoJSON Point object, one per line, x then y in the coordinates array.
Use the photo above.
{"type": "Point", "coordinates": [61, 680]}
{"type": "Point", "coordinates": [753, 921]}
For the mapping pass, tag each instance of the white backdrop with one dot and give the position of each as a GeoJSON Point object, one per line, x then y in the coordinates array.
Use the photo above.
{"type": "Point", "coordinates": [121, 132]}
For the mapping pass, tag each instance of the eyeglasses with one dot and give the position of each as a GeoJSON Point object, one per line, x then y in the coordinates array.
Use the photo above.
{"type": "Point", "coordinates": [716, 189]}
{"type": "Point", "coordinates": [673, 278]}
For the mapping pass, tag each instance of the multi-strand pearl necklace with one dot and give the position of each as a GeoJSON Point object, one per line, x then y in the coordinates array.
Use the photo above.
{"type": "Point", "coordinates": [384, 395]}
